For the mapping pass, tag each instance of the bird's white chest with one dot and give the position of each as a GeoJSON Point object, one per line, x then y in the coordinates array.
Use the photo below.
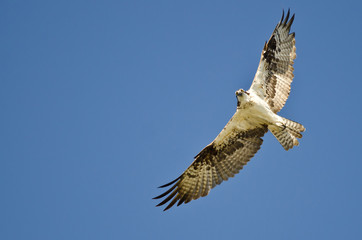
{"type": "Point", "coordinates": [250, 114]}
{"type": "Point", "coordinates": [255, 111]}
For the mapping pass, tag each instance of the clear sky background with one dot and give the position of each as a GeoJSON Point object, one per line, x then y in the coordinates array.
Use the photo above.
{"type": "Point", "coordinates": [103, 101]}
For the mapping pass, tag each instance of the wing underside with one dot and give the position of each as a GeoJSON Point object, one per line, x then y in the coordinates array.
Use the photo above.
{"type": "Point", "coordinates": [230, 152]}
{"type": "Point", "coordinates": [275, 71]}
{"type": "Point", "coordinates": [213, 165]}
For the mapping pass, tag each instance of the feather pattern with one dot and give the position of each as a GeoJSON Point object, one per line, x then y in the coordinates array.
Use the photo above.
{"type": "Point", "coordinates": [212, 166]}
{"type": "Point", "coordinates": [275, 71]}
{"type": "Point", "coordinates": [242, 136]}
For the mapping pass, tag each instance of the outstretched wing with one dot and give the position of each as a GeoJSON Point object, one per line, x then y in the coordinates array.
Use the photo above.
{"type": "Point", "coordinates": [214, 164]}
{"type": "Point", "coordinates": [275, 72]}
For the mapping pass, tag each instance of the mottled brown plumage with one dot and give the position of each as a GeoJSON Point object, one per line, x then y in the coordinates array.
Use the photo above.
{"type": "Point", "coordinates": [256, 112]}
{"type": "Point", "coordinates": [212, 166]}
{"type": "Point", "coordinates": [275, 72]}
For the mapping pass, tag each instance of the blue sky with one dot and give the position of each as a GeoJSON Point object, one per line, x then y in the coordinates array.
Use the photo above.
{"type": "Point", "coordinates": [103, 101]}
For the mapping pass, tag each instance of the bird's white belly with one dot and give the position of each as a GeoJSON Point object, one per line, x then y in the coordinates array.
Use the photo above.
{"type": "Point", "coordinates": [248, 116]}
{"type": "Point", "coordinates": [255, 112]}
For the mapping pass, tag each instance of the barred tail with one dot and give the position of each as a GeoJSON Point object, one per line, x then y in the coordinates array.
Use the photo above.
{"type": "Point", "coordinates": [287, 133]}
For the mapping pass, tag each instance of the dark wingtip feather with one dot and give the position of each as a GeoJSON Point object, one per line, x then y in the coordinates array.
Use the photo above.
{"type": "Point", "coordinates": [168, 198]}
{"type": "Point", "coordinates": [165, 193]}
{"type": "Point", "coordinates": [168, 184]}
{"type": "Point", "coordinates": [171, 194]}
{"type": "Point", "coordinates": [287, 17]}
{"type": "Point", "coordinates": [182, 200]}
{"type": "Point", "coordinates": [281, 20]}
{"type": "Point", "coordinates": [172, 203]}
{"type": "Point", "coordinates": [290, 22]}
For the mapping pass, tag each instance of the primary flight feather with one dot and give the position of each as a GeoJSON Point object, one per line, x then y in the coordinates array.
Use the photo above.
{"type": "Point", "coordinates": [256, 113]}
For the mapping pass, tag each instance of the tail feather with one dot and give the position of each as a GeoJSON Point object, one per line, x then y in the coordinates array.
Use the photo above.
{"type": "Point", "coordinates": [287, 133]}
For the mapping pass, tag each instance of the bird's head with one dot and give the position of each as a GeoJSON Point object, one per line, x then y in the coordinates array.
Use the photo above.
{"type": "Point", "coordinates": [241, 93]}
{"type": "Point", "coordinates": [242, 96]}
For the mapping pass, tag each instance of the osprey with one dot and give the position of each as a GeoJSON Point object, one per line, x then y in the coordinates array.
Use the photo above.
{"type": "Point", "coordinates": [256, 113]}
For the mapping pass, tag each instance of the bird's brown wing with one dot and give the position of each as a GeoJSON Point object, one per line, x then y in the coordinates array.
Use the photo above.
{"type": "Point", "coordinates": [214, 164]}
{"type": "Point", "coordinates": [275, 71]}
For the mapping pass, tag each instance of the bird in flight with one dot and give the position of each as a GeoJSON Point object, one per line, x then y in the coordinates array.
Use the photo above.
{"type": "Point", "coordinates": [256, 113]}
